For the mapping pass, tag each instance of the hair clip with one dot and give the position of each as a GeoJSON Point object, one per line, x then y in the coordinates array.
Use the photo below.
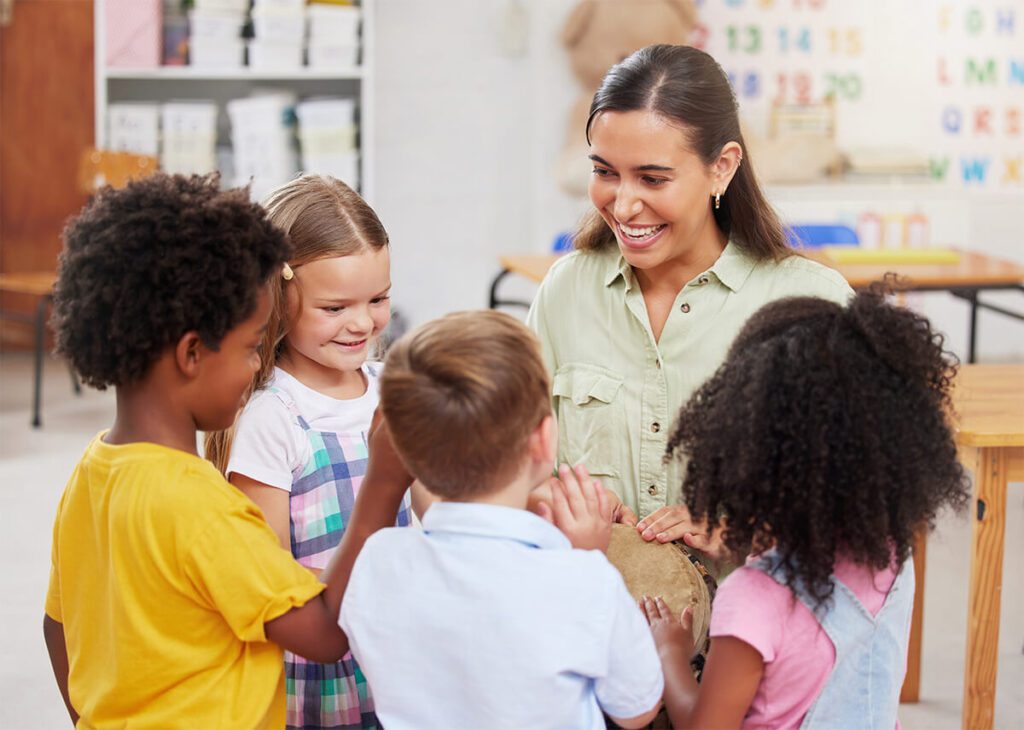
{"type": "Point", "coordinates": [286, 273]}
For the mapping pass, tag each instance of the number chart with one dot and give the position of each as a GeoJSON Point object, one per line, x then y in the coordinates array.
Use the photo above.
{"type": "Point", "coordinates": [942, 80]}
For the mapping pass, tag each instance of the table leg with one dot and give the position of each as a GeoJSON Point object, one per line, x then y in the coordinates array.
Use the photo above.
{"type": "Point", "coordinates": [37, 392]}
{"type": "Point", "coordinates": [911, 691]}
{"type": "Point", "coordinates": [986, 576]}
{"type": "Point", "coordinates": [972, 335]}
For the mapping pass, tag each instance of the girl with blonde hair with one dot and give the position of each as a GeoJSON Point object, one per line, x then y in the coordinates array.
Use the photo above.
{"type": "Point", "coordinates": [298, 449]}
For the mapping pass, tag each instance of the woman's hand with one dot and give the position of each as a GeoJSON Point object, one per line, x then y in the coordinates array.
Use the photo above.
{"type": "Point", "coordinates": [669, 523]}
{"type": "Point", "coordinates": [671, 635]}
{"type": "Point", "coordinates": [579, 508]}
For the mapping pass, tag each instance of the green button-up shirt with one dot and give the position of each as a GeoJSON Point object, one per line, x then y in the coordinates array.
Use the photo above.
{"type": "Point", "coordinates": [616, 391]}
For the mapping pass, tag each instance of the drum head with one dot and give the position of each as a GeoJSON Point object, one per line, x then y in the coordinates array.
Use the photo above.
{"type": "Point", "coordinates": [663, 569]}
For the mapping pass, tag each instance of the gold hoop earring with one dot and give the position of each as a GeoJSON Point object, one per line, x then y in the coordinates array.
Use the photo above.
{"type": "Point", "coordinates": [718, 201]}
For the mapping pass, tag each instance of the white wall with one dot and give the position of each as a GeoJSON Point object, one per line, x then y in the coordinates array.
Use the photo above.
{"type": "Point", "coordinates": [466, 141]}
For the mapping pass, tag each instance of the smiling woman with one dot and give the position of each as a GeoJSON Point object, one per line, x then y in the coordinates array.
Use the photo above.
{"type": "Point", "coordinates": [680, 249]}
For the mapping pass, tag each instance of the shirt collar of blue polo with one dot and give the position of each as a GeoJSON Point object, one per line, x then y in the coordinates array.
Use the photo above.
{"type": "Point", "coordinates": [495, 522]}
{"type": "Point", "coordinates": [732, 268]}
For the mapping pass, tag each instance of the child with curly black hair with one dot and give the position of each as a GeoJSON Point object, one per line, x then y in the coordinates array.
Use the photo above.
{"type": "Point", "coordinates": [819, 447]}
{"type": "Point", "coordinates": [169, 596]}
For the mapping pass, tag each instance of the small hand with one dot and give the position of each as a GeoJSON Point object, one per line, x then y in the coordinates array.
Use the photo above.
{"type": "Point", "coordinates": [621, 514]}
{"type": "Point", "coordinates": [670, 633]}
{"type": "Point", "coordinates": [579, 508]}
{"type": "Point", "coordinates": [669, 523]}
{"type": "Point", "coordinates": [385, 470]}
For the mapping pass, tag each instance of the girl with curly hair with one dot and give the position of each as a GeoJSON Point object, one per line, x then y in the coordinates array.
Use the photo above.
{"type": "Point", "coordinates": [819, 448]}
{"type": "Point", "coordinates": [299, 448]}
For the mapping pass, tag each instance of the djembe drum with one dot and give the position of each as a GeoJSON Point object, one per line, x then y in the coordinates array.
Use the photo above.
{"type": "Point", "coordinates": [668, 570]}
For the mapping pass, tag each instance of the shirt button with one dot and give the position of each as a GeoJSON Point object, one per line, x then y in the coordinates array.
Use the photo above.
{"type": "Point", "coordinates": [655, 427]}
{"type": "Point", "coordinates": [652, 490]}
{"type": "Point", "coordinates": [703, 280]}
{"type": "Point", "coordinates": [684, 308]}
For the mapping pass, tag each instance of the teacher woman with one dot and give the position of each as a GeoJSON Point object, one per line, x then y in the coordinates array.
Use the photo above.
{"type": "Point", "coordinates": [680, 249]}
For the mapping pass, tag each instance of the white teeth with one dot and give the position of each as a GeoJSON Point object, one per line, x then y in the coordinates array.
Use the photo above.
{"type": "Point", "coordinates": [638, 232]}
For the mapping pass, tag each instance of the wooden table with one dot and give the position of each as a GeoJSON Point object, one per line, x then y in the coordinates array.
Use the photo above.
{"type": "Point", "coordinates": [38, 284]}
{"type": "Point", "coordinates": [990, 402]}
{"type": "Point", "coordinates": [971, 275]}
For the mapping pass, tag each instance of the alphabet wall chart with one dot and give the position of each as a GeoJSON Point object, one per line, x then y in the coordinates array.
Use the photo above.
{"type": "Point", "coordinates": [943, 80]}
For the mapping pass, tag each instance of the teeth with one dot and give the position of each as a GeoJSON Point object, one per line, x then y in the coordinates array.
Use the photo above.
{"type": "Point", "coordinates": [638, 232]}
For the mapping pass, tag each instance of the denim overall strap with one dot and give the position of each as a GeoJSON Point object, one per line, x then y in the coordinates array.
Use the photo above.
{"type": "Point", "coordinates": [862, 690]}
{"type": "Point", "coordinates": [321, 501]}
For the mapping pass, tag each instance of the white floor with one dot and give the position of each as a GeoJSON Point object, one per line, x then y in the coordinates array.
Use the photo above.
{"type": "Point", "coordinates": [34, 465]}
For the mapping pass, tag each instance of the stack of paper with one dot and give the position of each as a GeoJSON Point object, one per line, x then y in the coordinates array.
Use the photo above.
{"type": "Point", "coordinates": [134, 127]}
{"type": "Point", "coordinates": [215, 33]}
{"type": "Point", "coordinates": [327, 138]}
{"type": "Point", "coordinates": [333, 36]}
{"type": "Point", "coordinates": [280, 34]}
{"type": "Point", "coordinates": [263, 140]}
{"type": "Point", "coordinates": [189, 137]}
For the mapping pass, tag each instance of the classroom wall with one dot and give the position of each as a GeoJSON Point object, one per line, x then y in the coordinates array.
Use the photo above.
{"type": "Point", "coordinates": [467, 136]}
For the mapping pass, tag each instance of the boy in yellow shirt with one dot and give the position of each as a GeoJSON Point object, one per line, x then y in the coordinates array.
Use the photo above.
{"type": "Point", "coordinates": [170, 597]}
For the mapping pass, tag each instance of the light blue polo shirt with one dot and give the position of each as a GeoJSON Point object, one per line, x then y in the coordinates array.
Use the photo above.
{"type": "Point", "coordinates": [487, 618]}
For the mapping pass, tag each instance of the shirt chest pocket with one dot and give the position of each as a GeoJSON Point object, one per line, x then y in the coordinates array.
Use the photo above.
{"type": "Point", "coordinates": [591, 417]}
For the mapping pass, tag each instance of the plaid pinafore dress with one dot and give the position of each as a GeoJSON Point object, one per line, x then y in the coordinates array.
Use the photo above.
{"type": "Point", "coordinates": [322, 497]}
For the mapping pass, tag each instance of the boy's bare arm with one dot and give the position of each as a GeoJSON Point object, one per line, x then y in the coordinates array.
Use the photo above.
{"type": "Point", "coordinates": [53, 634]}
{"type": "Point", "coordinates": [312, 630]}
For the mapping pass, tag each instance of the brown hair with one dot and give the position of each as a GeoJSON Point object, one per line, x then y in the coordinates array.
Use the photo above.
{"type": "Point", "coordinates": [689, 89]}
{"type": "Point", "coordinates": [461, 396]}
{"type": "Point", "coordinates": [323, 218]}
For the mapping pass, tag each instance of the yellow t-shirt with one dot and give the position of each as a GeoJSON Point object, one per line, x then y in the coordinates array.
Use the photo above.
{"type": "Point", "coordinates": [163, 576]}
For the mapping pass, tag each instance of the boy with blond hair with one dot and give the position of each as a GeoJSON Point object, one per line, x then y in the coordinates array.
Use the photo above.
{"type": "Point", "coordinates": [488, 617]}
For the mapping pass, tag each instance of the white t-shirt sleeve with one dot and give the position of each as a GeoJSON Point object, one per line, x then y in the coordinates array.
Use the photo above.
{"type": "Point", "coordinates": [269, 444]}
{"type": "Point", "coordinates": [634, 683]}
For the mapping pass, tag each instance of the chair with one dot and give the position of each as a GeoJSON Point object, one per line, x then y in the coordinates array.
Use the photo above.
{"type": "Point", "coordinates": [96, 168]}
{"type": "Point", "coordinates": [560, 244]}
{"type": "Point", "coordinates": [818, 235]}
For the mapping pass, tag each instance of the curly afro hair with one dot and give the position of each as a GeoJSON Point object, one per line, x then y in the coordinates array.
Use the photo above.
{"type": "Point", "coordinates": [824, 434]}
{"type": "Point", "coordinates": [143, 265]}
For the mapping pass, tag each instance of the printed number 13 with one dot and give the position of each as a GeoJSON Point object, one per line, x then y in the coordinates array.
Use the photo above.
{"type": "Point", "coordinates": [753, 38]}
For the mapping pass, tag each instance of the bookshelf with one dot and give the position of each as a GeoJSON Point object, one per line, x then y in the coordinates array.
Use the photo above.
{"type": "Point", "coordinates": [174, 83]}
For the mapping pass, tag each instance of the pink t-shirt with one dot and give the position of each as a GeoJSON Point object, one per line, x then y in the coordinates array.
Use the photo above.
{"type": "Point", "coordinates": [798, 655]}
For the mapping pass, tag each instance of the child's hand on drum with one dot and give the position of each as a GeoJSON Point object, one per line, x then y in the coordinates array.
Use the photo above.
{"type": "Point", "coordinates": [670, 634]}
{"type": "Point", "coordinates": [579, 508]}
{"type": "Point", "coordinates": [621, 514]}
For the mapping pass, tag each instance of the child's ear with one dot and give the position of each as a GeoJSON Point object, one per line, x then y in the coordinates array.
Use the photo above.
{"type": "Point", "coordinates": [188, 353]}
{"type": "Point", "coordinates": [544, 441]}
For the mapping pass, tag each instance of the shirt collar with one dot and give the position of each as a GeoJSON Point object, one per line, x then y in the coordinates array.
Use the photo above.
{"type": "Point", "coordinates": [489, 520]}
{"type": "Point", "coordinates": [732, 268]}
